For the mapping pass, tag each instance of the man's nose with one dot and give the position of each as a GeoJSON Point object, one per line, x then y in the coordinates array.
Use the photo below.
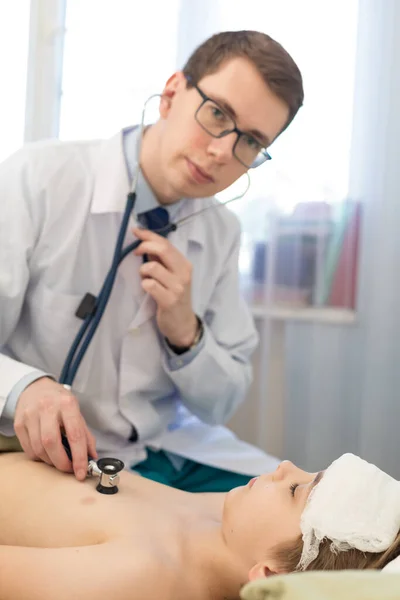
{"type": "Point", "coordinates": [222, 148]}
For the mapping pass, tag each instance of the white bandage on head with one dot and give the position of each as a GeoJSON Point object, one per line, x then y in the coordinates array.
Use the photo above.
{"type": "Point", "coordinates": [355, 505]}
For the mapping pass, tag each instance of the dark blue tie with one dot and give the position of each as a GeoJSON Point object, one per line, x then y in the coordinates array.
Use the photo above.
{"type": "Point", "coordinates": [156, 220]}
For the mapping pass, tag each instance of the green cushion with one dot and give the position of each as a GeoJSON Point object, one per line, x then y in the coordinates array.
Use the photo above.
{"type": "Point", "coordinates": [325, 585]}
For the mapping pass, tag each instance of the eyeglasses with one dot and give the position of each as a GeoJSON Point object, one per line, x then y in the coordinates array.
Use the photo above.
{"type": "Point", "coordinates": [215, 121]}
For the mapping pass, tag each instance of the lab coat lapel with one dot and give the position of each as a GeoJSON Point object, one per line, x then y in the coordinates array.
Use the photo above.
{"type": "Point", "coordinates": [111, 184]}
{"type": "Point", "coordinates": [111, 187]}
{"type": "Point", "coordinates": [144, 305]}
{"type": "Point", "coordinates": [147, 310]}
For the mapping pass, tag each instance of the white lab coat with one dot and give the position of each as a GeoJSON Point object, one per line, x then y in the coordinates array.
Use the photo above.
{"type": "Point", "coordinates": [61, 208]}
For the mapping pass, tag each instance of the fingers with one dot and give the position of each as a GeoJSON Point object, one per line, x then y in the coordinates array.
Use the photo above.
{"type": "Point", "coordinates": [37, 446]}
{"type": "Point", "coordinates": [163, 297]}
{"type": "Point", "coordinates": [76, 432]}
{"type": "Point", "coordinates": [160, 251]}
{"type": "Point", "coordinates": [51, 440]}
{"type": "Point", "coordinates": [145, 234]}
{"type": "Point", "coordinates": [91, 444]}
{"type": "Point", "coordinates": [28, 432]}
{"type": "Point", "coordinates": [159, 247]}
{"type": "Point", "coordinates": [42, 410]}
{"type": "Point", "coordinates": [155, 270]}
{"type": "Point", "coordinates": [23, 436]}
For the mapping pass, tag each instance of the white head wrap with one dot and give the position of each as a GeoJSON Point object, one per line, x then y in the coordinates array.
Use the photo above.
{"type": "Point", "coordinates": [355, 505]}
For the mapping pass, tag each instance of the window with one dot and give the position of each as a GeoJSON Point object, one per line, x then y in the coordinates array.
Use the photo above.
{"type": "Point", "coordinates": [14, 41]}
{"type": "Point", "coordinates": [115, 57]}
{"type": "Point", "coordinates": [300, 231]}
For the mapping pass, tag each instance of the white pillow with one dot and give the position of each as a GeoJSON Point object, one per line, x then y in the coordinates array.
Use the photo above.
{"type": "Point", "coordinates": [393, 565]}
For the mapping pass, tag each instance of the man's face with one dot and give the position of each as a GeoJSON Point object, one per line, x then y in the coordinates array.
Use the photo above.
{"type": "Point", "coordinates": [192, 162]}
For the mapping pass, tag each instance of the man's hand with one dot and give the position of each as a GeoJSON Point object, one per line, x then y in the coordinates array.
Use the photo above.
{"type": "Point", "coordinates": [43, 408]}
{"type": "Point", "coordinates": [167, 277]}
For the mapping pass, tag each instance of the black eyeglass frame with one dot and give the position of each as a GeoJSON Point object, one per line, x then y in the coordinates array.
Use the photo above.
{"type": "Point", "coordinates": [239, 133]}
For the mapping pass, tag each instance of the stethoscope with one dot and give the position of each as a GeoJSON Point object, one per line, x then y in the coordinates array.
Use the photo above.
{"type": "Point", "coordinates": [91, 310]}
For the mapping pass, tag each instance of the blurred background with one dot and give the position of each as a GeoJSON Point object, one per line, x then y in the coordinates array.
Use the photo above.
{"type": "Point", "coordinates": [320, 243]}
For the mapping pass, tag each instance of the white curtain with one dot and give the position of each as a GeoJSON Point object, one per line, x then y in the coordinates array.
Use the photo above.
{"type": "Point", "coordinates": [342, 382]}
{"type": "Point", "coordinates": [14, 37]}
{"type": "Point", "coordinates": [344, 391]}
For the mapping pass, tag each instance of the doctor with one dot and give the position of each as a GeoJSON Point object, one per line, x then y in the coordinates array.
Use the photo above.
{"type": "Point", "coordinates": [170, 361]}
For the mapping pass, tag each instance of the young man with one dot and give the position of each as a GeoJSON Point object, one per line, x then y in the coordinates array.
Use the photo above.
{"type": "Point", "coordinates": [170, 362]}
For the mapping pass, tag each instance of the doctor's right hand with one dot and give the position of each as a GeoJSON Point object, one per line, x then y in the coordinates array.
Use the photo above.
{"type": "Point", "coordinates": [43, 408]}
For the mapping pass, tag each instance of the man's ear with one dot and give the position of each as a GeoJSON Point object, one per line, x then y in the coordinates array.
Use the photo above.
{"type": "Point", "coordinates": [261, 571]}
{"type": "Point", "coordinates": [176, 82]}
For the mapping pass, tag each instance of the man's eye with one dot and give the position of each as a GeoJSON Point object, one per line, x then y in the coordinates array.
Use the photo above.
{"type": "Point", "coordinates": [293, 488]}
{"type": "Point", "coordinates": [252, 143]}
{"type": "Point", "coordinates": [218, 114]}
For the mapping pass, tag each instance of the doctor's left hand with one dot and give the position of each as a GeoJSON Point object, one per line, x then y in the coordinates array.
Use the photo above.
{"type": "Point", "coordinates": [167, 277]}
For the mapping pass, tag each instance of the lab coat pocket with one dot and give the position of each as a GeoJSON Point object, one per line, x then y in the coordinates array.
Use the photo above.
{"type": "Point", "coordinates": [53, 325]}
{"type": "Point", "coordinates": [203, 280]}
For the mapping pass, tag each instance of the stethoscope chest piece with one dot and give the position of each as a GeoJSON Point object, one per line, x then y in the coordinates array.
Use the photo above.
{"type": "Point", "coordinates": [107, 469]}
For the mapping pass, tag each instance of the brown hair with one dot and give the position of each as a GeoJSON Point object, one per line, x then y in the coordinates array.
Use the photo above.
{"type": "Point", "coordinates": [275, 65]}
{"type": "Point", "coordinates": [288, 556]}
